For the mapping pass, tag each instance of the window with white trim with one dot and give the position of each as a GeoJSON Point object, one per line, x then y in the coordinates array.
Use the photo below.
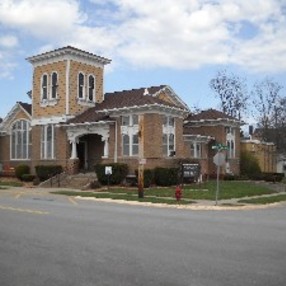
{"type": "Point", "coordinates": [130, 139]}
{"type": "Point", "coordinates": [91, 88]}
{"type": "Point", "coordinates": [54, 85]}
{"type": "Point", "coordinates": [168, 136]}
{"type": "Point", "coordinates": [81, 86]}
{"type": "Point", "coordinates": [47, 142]}
{"type": "Point", "coordinates": [196, 149]}
{"type": "Point", "coordinates": [44, 87]}
{"type": "Point", "coordinates": [20, 140]}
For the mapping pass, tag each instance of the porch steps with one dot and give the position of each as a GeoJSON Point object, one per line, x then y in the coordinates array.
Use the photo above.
{"type": "Point", "coordinates": [80, 181]}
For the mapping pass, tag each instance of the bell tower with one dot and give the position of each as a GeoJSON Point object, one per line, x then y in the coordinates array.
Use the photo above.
{"type": "Point", "coordinates": [66, 81]}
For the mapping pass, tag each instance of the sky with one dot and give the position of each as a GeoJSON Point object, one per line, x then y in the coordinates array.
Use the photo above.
{"type": "Point", "coordinates": [180, 43]}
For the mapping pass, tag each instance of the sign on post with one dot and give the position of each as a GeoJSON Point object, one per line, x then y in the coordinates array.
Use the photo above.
{"type": "Point", "coordinates": [108, 170]}
{"type": "Point", "coordinates": [190, 172]}
{"type": "Point", "coordinates": [219, 159]}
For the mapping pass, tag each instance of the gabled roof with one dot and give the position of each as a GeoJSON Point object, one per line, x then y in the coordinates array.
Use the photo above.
{"type": "Point", "coordinates": [26, 106]}
{"type": "Point", "coordinates": [209, 114]}
{"type": "Point", "coordinates": [126, 100]}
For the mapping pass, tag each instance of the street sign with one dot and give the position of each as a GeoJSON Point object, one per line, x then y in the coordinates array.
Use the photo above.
{"type": "Point", "coordinates": [219, 159]}
{"type": "Point", "coordinates": [219, 147]}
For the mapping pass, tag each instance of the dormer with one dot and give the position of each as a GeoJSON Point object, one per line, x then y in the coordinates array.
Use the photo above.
{"type": "Point", "coordinates": [66, 81]}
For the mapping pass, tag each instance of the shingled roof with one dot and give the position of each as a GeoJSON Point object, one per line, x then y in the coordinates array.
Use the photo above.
{"type": "Point", "coordinates": [26, 106]}
{"type": "Point", "coordinates": [122, 99]}
{"type": "Point", "coordinates": [209, 114]}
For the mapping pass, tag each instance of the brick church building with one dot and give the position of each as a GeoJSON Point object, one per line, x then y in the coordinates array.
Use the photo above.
{"type": "Point", "coordinates": [71, 122]}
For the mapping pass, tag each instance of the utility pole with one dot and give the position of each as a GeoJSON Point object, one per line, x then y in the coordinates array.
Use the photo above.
{"type": "Point", "coordinates": [141, 158]}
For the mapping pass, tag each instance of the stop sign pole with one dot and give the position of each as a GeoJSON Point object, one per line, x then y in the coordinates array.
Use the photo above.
{"type": "Point", "coordinates": [219, 160]}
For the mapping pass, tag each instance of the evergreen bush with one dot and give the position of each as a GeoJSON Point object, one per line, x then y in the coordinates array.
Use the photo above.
{"type": "Point", "coordinates": [119, 173]}
{"type": "Point", "coordinates": [21, 170]}
{"type": "Point", "coordinates": [166, 176]}
{"type": "Point", "coordinates": [44, 172]}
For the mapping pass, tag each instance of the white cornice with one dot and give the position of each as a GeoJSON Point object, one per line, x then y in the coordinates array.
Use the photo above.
{"type": "Point", "coordinates": [197, 138]}
{"type": "Point", "coordinates": [174, 96]}
{"type": "Point", "coordinates": [68, 53]}
{"type": "Point", "coordinates": [147, 108]}
{"type": "Point", "coordinates": [214, 122]}
{"type": "Point", "coordinates": [50, 120]}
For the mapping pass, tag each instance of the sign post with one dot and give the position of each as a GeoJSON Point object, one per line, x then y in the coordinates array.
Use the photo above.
{"type": "Point", "coordinates": [108, 172]}
{"type": "Point", "coordinates": [142, 161]}
{"type": "Point", "coordinates": [219, 160]}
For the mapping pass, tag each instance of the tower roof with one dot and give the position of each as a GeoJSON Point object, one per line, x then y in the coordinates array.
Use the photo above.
{"type": "Point", "coordinates": [68, 52]}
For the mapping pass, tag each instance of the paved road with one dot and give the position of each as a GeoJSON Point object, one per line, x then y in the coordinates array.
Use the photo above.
{"type": "Point", "coordinates": [54, 240]}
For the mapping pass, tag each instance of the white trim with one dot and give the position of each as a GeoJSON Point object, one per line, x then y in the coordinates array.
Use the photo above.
{"type": "Point", "coordinates": [5, 124]}
{"type": "Point", "coordinates": [83, 87]}
{"type": "Point", "coordinates": [174, 96]}
{"type": "Point", "coordinates": [51, 120]}
{"type": "Point", "coordinates": [29, 144]}
{"type": "Point", "coordinates": [146, 108]}
{"type": "Point", "coordinates": [68, 53]}
{"type": "Point", "coordinates": [51, 86]}
{"type": "Point", "coordinates": [94, 89]}
{"type": "Point", "coordinates": [45, 142]}
{"type": "Point", "coordinates": [47, 87]}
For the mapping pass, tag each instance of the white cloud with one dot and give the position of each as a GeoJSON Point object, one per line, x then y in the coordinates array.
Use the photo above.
{"type": "Point", "coordinates": [8, 41]}
{"type": "Point", "coordinates": [41, 18]}
{"type": "Point", "coordinates": [182, 34]}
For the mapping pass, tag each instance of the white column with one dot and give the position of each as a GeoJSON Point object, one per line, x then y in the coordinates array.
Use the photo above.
{"type": "Point", "coordinates": [74, 151]}
{"type": "Point", "coordinates": [106, 147]}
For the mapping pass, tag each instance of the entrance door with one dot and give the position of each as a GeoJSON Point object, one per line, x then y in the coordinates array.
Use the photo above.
{"type": "Point", "coordinates": [82, 155]}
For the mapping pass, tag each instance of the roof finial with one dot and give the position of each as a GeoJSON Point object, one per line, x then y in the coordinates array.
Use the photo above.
{"type": "Point", "coordinates": [146, 91]}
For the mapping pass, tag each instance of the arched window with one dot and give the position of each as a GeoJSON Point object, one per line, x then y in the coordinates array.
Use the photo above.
{"type": "Point", "coordinates": [20, 140]}
{"type": "Point", "coordinates": [81, 85]}
{"type": "Point", "coordinates": [44, 86]}
{"type": "Point", "coordinates": [54, 86]}
{"type": "Point", "coordinates": [91, 88]}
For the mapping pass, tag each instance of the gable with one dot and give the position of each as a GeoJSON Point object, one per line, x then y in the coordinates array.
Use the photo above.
{"type": "Point", "coordinates": [19, 111]}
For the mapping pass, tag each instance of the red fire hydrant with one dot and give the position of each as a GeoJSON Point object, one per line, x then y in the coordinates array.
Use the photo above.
{"type": "Point", "coordinates": [178, 193]}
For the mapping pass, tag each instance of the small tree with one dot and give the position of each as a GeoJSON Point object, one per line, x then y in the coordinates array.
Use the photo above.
{"type": "Point", "coordinates": [249, 165]}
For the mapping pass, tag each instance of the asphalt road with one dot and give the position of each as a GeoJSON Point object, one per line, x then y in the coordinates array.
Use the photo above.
{"type": "Point", "coordinates": [55, 240]}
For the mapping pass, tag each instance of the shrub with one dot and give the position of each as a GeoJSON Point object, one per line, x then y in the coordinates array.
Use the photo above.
{"type": "Point", "coordinates": [119, 172]}
{"type": "Point", "coordinates": [28, 178]}
{"type": "Point", "coordinates": [249, 165]}
{"type": "Point", "coordinates": [273, 177]}
{"type": "Point", "coordinates": [20, 170]}
{"type": "Point", "coordinates": [166, 176]}
{"type": "Point", "coordinates": [45, 172]}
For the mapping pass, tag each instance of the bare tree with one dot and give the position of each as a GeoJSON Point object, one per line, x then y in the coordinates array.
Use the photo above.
{"type": "Point", "coordinates": [270, 111]}
{"type": "Point", "coordinates": [232, 91]}
{"type": "Point", "coordinates": [266, 99]}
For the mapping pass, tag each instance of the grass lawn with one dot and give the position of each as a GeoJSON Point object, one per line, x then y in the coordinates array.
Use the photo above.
{"type": "Point", "coordinates": [265, 200]}
{"type": "Point", "coordinates": [205, 191]}
{"type": "Point", "coordinates": [118, 194]}
{"type": "Point", "coordinates": [11, 183]}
